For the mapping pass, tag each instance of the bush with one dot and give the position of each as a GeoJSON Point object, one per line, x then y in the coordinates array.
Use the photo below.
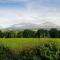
{"type": "Point", "coordinates": [5, 53]}
{"type": "Point", "coordinates": [45, 52]}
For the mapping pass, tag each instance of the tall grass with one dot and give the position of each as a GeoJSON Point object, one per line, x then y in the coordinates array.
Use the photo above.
{"type": "Point", "coordinates": [44, 52]}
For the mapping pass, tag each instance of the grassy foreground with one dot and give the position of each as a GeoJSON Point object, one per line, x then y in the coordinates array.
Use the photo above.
{"type": "Point", "coordinates": [23, 43]}
{"type": "Point", "coordinates": [30, 49]}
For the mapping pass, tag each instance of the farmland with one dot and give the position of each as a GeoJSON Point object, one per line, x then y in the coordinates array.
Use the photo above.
{"type": "Point", "coordinates": [23, 43]}
{"type": "Point", "coordinates": [29, 48]}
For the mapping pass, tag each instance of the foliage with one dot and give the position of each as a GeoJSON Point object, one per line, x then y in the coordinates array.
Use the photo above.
{"type": "Point", "coordinates": [44, 52]}
{"type": "Point", "coordinates": [28, 34]}
{"type": "Point", "coordinates": [53, 33]}
{"type": "Point", "coordinates": [5, 53]}
{"type": "Point", "coordinates": [40, 33]}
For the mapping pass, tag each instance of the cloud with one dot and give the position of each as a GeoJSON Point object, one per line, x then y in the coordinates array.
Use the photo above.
{"type": "Point", "coordinates": [9, 17]}
{"type": "Point", "coordinates": [35, 11]}
{"type": "Point", "coordinates": [12, 1]}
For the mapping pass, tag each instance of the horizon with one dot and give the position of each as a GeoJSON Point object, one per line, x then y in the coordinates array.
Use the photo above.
{"type": "Point", "coordinates": [29, 11]}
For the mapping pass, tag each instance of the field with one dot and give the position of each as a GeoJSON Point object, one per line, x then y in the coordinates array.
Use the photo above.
{"type": "Point", "coordinates": [23, 43]}
{"type": "Point", "coordinates": [30, 49]}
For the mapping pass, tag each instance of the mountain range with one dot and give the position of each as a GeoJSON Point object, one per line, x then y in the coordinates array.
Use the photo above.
{"type": "Point", "coordinates": [48, 25]}
{"type": "Point", "coordinates": [22, 26]}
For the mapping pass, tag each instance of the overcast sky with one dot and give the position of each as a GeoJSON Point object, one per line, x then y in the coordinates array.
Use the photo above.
{"type": "Point", "coordinates": [32, 11]}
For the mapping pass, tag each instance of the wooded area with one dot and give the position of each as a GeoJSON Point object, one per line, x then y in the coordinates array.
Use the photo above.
{"type": "Point", "coordinates": [41, 33]}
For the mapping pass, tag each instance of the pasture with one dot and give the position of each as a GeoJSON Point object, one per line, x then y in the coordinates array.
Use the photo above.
{"type": "Point", "coordinates": [23, 43]}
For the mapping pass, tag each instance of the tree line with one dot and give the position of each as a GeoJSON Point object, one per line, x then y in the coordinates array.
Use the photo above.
{"type": "Point", "coordinates": [41, 33]}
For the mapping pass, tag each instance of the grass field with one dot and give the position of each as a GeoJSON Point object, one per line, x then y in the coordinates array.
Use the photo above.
{"type": "Point", "coordinates": [23, 43]}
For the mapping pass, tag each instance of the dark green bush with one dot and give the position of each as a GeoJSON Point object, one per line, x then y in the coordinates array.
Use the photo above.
{"type": "Point", "coordinates": [45, 52]}
{"type": "Point", "coordinates": [5, 53]}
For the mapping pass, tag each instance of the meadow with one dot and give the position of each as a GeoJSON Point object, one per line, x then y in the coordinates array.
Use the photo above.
{"type": "Point", "coordinates": [29, 48]}
{"type": "Point", "coordinates": [18, 44]}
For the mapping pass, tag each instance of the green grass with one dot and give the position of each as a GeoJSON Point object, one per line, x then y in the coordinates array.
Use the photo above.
{"type": "Point", "coordinates": [22, 43]}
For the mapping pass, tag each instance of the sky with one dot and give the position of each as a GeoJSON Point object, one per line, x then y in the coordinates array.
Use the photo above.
{"type": "Point", "coordinates": [29, 11]}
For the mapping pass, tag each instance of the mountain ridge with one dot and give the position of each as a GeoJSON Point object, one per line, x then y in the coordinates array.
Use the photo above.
{"type": "Point", "coordinates": [22, 26]}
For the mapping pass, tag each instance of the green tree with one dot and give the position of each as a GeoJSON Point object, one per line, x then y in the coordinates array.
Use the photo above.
{"type": "Point", "coordinates": [10, 34]}
{"type": "Point", "coordinates": [39, 33]}
{"type": "Point", "coordinates": [1, 34]}
{"type": "Point", "coordinates": [53, 33]}
{"type": "Point", "coordinates": [58, 33]}
{"type": "Point", "coordinates": [28, 33]}
{"type": "Point", "coordinates": [46, 33]}
{"type": "Point", "coordinates": [20, 34]}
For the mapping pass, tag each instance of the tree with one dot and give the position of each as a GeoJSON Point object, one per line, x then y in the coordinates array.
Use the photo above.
{"type": "Point", "coordinates": [28, 33]}
{"type": "Point", "coordinates": [39, 33]}
{"type": "Point", "coordinates": [10, 34]}
{"type": "Point", "coordinates": [53, 33]}
{"type": "Point", "coordinates": [1, 34]}
{"type": "Point", "coordinates": [58, 33]}
{"type": "Point", "coordinates": [46, 33]}
{"type": "Point", "coordinates": [20, 34]}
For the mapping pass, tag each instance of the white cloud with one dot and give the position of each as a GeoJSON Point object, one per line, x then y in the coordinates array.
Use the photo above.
{"type": "Point", "coordinates": [30, 14]}
{"type": "Point", "coordinates": [8, 17]}
{"type": "Point", "coordinates": [4, 1]}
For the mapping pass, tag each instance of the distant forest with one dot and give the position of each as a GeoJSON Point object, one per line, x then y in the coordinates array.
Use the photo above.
{"type": "Point", "coordinates": [41, 33]}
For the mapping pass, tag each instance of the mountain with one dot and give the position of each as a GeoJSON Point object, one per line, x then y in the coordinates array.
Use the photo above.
{"type": "Point", "coordinates": [22, 26]}
{"type": "Point", "coordinates": [48, 25]}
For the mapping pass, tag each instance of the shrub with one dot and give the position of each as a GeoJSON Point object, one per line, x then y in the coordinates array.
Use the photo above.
{"type": "Point", "coordinates": [5, 53]}
{"type": "Point", "coordinates": [45, 52]}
